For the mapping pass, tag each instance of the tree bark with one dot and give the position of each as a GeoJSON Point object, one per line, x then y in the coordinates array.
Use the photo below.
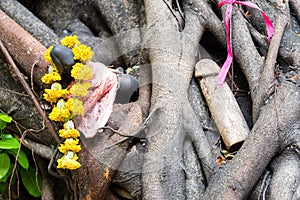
{"type": "Point", "coordinates": [172, 67]}
{"type": "Point", "coordinates": [237, 178]}
{"type": "Point", "coordinates": [174, 157]}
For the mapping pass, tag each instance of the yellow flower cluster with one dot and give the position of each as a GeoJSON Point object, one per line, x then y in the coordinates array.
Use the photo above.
{"type": "Point", "coordinates": [56, 92]}
{"type": "Point", "coordinates": [66, 133]}
{"type": "Point", "coordinates": [51, 77]}
{"type": "Point", "coordinates": [67, 103]}
{"type": "Point", "coordinates": [70, 41]}
{"type": "Point", "coordinates": [52, 74]}
{"type": "Point", "coordinates": [69, 148]}
{"type": "Point", "coordinates": [70, 144]}
{"type": "Point", "coordinates": [81, 72]}
{"type": "Point", "coordinates": [60, 112]}
{"type": "Point", "coordinates": [82, 53]}
{"type": "Point", "coordinates": [68, 161]}
{"type": "Point", "coordinates": [80, 89]}
{"type": "Point", "coordinates": [75, 106]}
{"type": "Point", "coordinates": [47, 55]}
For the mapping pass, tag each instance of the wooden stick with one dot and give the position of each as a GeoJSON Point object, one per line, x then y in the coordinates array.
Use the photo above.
{"type": "Point", "coordinates": [222, 105]}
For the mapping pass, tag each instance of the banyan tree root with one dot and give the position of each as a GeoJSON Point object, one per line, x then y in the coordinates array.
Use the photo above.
{"type": "Point", "coordinates": [267, 77]}
{"type": "Point", "coordinates": [172, 62]}
{"type": "Point", "coordinates": [178, 161]}
{"type": "Point", "coordinates": [237, 179]}
{"type": "Point", "coordinates": [29, 54]}
{"type": "Point", "coordinates": [29, 22]}
{"type": "Point", "coordinates": [124, 22]}
{"type": "Point", "coordinates": [95, 180]}
{"type": "Point", "coordinates": [159, 171]}
{"type": "Point", "coordinates": [286, 175]}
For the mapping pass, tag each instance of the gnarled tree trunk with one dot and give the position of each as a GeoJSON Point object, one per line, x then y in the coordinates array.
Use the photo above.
{"type": "Point", "coordinates": [177, 153]}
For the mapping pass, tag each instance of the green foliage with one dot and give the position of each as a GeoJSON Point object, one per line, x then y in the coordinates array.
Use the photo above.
{"type": "Point", "coordinates": [9, 147]}
{"type": "Point", "coordinates": [9, 142]}
{"type": "Point", "coordinates": [32, 185]}
{"type": "Point", "coordinates": [22, 158]}
{"type": "Point", "coordinates": [4, 119]}
{"type": "Point", "coordinates": [7, 175]}
{"type": "Point", "coordinates": [4, 164]}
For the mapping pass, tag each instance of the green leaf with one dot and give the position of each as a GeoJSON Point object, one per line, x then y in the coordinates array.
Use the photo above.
{"type": "Point", "coordinates": [22, 158]}
{"type": "Point", "coordinates": [6, 136]}
{"type": "Point", "coordinates": [2, 125]}
{"type": "Point", "coordinates": [29, 181]}
{"type": "Point", "coordinates": [5, 118]}
{"type": "Point", "coordinates": [4, 179]}
{"type": "Point", "coordinates": [10, 143]}
{"type": "Point", "coordinates": [4, 164]}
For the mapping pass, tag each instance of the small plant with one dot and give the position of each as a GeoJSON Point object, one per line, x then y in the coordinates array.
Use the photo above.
{"type": "Point", "coordinates": [9, 151]}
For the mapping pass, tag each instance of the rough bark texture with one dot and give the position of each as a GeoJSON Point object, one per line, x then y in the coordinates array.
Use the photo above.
{"type": "Point", "coordinates": [29, 22]}
{"type": "Point", "coordinates": [286, 176]}
{"type": "Point", "coordinates": [17, 104]}
{"type": "Point", "coordinates": [178, 153]}
{"type": "Point", "coordinates": [29, 54]}
{"type": "Point", "coordinates": [172, 62]}
{"type": "Point", "coordinates": [237, 179]}
{"type": "Point", "coordinates": [122, 18]}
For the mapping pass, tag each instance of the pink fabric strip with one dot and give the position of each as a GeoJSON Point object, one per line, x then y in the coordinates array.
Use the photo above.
{"type": "Point", "coordinates": [270, 29]}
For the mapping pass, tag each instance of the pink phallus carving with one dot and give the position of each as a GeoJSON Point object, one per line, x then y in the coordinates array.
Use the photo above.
{"type": "Point", "coordinates": [98, 104]}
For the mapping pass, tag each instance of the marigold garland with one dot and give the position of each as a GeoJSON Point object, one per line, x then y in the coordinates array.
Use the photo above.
{"type": "Point", "coordinates": [81, 72]}
{"type": "Point", "coordinates": [56, 92]}
{"type": "Point", "coordinates": [67, 103]}
{"type": "Point", "coordinates": [80, 89]}
{"type": "Point", "coordinates": [47, 55]}
{"type": "Point", "coordinates": [82, 53]}
{"type": "Point", "coordinates": [75, 106]}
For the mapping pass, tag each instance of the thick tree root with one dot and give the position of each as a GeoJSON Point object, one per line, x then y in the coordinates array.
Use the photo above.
{"type": "Point", "coordinates": [237, 179]}
{"type": "Point", "coordinates": [105, 162]}
{"type": "Point", "coordinates": [29, 22]}
{"type": "Point", "coordinates": [178, 162]}
{"type": "Point", "coordinates": [267, 77]}
{"type": "Point", "coordinates": [286, 176]}
{"type": "Point", "coordinates": [29, 53]}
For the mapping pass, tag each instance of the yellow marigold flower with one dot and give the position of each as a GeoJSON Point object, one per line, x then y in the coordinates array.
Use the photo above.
{"type": "Point", "coordinates": [80, 89]}
{"type": "Point", "coordinates": [51, 77]}
{"type": "Point", "coordinates": [81, 72]}
{"type": "Point", "coordinates": [70, 144]}
{"type": "Point", "coordinates": [68, 161]}
{"type": "Point", "coordinates": [75, 106]}
{"type": "Point", "coordinates": [69, 130]}
{"type": "Point", "coordinates": [47, 55]}
{"type": "Point", "coordinates": [83, 53]}
{"type": "Point", "coordinates": [56, 92]}
{"type": "Point", "coordinates": [60, 112]}
{"type": "Point", "coordinates": [70, 41]}
{"type": "Point", "coordinates": [69, 133]}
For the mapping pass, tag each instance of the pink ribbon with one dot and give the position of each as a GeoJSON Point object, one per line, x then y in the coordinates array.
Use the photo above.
{"type": "Point", "coordinates": [270, 29]}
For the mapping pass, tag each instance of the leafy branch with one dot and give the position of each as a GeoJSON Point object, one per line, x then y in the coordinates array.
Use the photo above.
{"type": "Point", "coordinates": [10, 149]}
